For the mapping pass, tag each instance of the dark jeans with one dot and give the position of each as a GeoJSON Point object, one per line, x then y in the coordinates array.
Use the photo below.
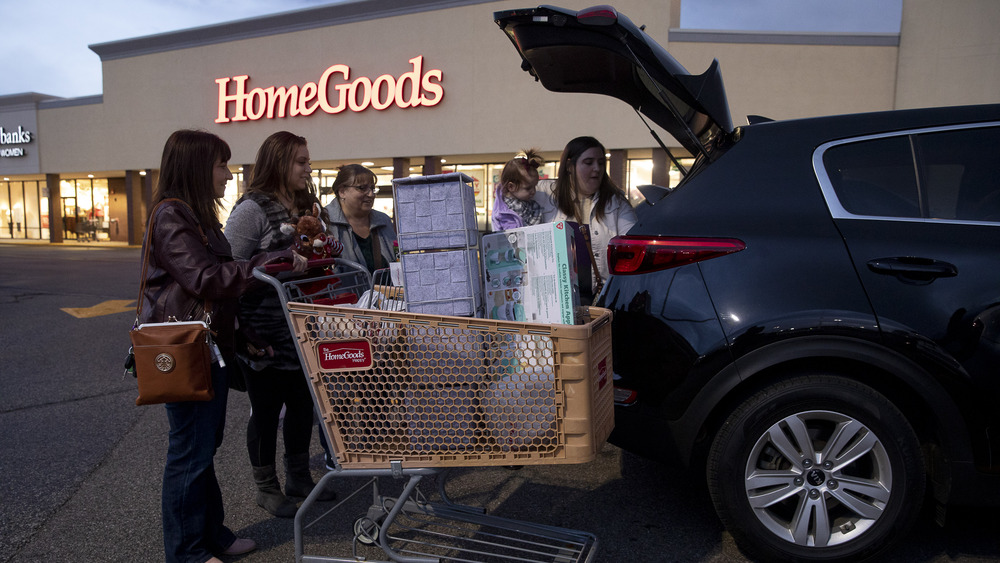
{"type": "Point", "coordinates": [192, 501]}
{"type": "Point", "coordinates": [269, 389]}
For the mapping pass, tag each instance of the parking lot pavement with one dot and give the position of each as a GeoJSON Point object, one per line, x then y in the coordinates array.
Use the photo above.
{"type": "Point", "coordinates": [81, 466]}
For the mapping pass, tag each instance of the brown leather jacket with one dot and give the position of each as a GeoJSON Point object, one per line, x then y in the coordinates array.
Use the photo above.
{"type": "Point", "coordinates": [184, 272]}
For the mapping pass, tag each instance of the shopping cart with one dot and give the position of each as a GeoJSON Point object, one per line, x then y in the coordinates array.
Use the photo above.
{"type": "Point", "coordinates": [407, 396]}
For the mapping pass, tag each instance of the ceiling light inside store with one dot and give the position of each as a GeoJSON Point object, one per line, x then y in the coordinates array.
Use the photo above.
{"type": "Point", "coordinates": [386, 168]}
{"type": "Point", "coordinates": [90, 175]}
{"type": "Point", "coordinates": [368, 163]}
{"type": "Point", "coordinates": [142, 172]}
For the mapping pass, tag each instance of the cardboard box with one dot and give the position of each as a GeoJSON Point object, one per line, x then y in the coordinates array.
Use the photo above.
{"type": "Point", "coordinates": [530, 274]}
{"type": "Point", "coordinates": [435, 212]}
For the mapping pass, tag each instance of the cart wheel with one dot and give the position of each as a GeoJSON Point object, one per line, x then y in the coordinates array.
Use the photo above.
{"type": "Point", "coordinates": [366, 530]}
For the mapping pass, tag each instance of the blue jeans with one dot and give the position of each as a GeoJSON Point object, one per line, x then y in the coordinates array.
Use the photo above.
{"type": "Point", "coordinates": [192, 502]}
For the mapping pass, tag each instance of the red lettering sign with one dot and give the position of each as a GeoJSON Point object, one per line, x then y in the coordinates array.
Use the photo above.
{"type": "Point", "coordinates": [411, 89]}
{"type": "Point", "coordinates": [345, 355]}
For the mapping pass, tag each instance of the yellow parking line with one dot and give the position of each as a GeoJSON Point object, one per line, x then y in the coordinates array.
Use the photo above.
{"type": "Point", "coordinates": [111, 307]}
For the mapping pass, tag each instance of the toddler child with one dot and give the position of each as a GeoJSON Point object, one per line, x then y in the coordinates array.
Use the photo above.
{"type": "Point", "coordinates": [514, 204]}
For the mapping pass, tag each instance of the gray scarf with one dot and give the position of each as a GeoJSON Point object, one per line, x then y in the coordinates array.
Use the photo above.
{"type": "Point", "coordinates": [530, 211]}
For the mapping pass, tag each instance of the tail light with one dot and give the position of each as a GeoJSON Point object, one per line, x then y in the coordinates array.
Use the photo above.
{"type": "Point", "coordinates": [628, 255]}
{"type": "Point", "coordinates": [597, 15]}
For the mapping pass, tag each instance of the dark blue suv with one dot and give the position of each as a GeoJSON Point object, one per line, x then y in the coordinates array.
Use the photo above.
{"type": "Point", "coordinates": [812, 316]}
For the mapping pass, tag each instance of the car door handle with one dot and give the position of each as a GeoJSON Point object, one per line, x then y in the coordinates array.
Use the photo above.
{"type": "Point", "coordinates": [913, 268]}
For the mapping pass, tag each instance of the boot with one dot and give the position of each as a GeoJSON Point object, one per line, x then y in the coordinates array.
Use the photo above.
{"type": "Point", "coordinates": [269, 495]}
{"type": "Point", "coordinates": [298, 478]}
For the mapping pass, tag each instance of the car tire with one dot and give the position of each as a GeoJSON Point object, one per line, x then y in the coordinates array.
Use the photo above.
{"type": "Point", "coordinates": [816, 468]}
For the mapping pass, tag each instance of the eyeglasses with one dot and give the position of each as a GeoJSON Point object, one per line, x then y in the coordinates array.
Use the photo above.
{"type": "Point", "coordinates": [367, 188]}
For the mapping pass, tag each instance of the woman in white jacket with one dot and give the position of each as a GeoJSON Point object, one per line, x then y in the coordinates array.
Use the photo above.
{"type": "Point", "coordinates": [584, 193]}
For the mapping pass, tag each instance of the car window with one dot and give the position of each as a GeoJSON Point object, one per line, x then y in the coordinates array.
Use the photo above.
{"type": "Point", "coordinates": [960, 172]}
{"type": "Point", "coordinates": [875, 177]}
{"type": "Point", "coordinates": [938, 175]}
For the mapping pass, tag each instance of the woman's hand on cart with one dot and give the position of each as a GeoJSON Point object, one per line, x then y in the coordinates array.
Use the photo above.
{"type": "Point", "coordinates": [298, 265]}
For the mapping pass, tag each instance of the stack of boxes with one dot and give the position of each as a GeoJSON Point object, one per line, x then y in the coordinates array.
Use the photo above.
{"type": "Point", "coordinates": [439, 244]}
{"type": "Point", "coordinates": [442, 275]}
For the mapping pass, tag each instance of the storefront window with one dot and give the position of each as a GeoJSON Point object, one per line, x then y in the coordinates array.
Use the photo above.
{"type": "Point", "coordinates": [228, 201]}
{"type": "Point", "coordinates": [23, 210]}
{"type": "Point", "coordinates": [6, 211]}
{"type": "Point", "coordinates": [85, 205]}
{"type": "Point", "coordinates": [640, 172]}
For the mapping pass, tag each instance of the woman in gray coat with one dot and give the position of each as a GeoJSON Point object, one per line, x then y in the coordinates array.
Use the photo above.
{"type": "Point", "coordinates": [368, 235]}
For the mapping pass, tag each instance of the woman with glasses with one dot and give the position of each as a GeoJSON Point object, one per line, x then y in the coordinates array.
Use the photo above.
{"type": "Point", "coordinates": [280, 187]}
{"type": "Point", "coordinates": [368, 235]}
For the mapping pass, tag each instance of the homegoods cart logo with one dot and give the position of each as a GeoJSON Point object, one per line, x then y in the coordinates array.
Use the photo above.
{"type": "Point", "coordinates": [335, 92]}
{"type": "Point", "coordinates": [345, 355]}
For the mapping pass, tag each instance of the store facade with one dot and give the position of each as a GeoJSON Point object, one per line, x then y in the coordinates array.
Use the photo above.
{"type": "Point", "coordinates": [421, 87]}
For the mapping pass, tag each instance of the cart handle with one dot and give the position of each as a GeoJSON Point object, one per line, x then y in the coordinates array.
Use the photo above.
{"type": "Point", "coordinates": [287, 266]}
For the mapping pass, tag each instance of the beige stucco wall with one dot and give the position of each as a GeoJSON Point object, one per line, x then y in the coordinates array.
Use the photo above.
{"type": "Point", "coordinates": [489, 106]}
{"type": "Point", "coordinates": [792, 81]}
{"type": "Point", "coordinates": [949, 53]}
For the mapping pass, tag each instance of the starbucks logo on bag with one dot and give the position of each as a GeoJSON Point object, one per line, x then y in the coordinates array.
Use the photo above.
{"type": "Point", "coordinates": [164, 362]}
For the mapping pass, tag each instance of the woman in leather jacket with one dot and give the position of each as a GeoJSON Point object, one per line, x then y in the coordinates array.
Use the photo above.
{"type": "Point", "coordinates": [191, 269]}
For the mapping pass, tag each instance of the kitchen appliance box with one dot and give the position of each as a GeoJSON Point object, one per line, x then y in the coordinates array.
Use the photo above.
{"type": "Point", "coordinates": [530, 274]}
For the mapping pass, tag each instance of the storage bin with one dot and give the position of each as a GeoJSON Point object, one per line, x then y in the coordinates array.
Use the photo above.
{"type": "Point", "coordinates": [435, 212]}
{"type": "Point", "coordinates": [446, 282]}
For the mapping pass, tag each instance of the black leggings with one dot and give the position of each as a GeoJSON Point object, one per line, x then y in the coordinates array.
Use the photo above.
{"type": "Point", "coordinates": [269, 390]}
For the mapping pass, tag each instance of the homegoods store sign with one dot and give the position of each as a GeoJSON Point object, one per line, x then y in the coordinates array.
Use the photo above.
{"type": "Point", "coordinates": [335, 92]}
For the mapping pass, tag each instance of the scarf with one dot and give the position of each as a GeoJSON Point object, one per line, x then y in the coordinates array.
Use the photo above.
{"type": "Point", "coordinates": [530, 211]}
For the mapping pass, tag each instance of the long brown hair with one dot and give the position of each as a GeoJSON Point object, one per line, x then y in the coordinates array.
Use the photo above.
{"type": "Point", "coordinates": [271, 169]}
{"type": "Point", "coordinates": [186, 169]}
{"type": "Point", "coordinates": [565, 187]}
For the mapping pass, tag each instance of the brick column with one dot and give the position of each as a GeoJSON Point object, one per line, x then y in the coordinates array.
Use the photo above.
{"type": "Point", "coordinates": [400, 167]}
{"type": "Point", "coordinates": [55, 208]}
{"type": "Point", "coordinates": [661, 168]}
{"type": "Point", "coordinates": [133, 204]}
{"type": "Point", "coordinates": [616, 167]}
{"type": "Point", "coordinates": [432, 165]}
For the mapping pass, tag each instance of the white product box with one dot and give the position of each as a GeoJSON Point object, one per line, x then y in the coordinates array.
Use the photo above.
{"type": "Point", "coordinates": [530, 274]}
{"type": "Point", "coordinates": [448, 282]}
{"type": "Point", "coordinates": [435, 212]}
